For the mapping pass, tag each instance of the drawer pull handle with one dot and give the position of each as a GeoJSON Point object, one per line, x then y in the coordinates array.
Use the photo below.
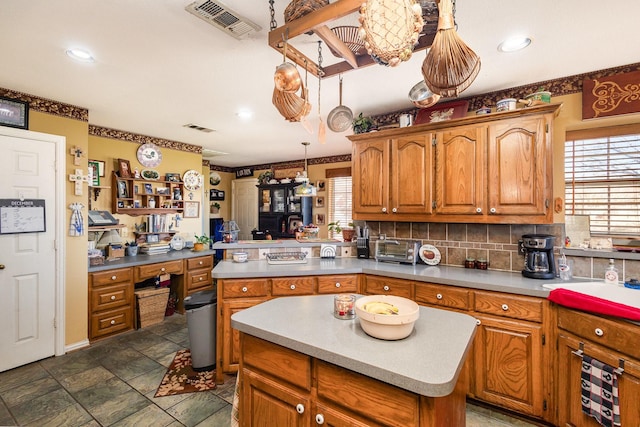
{"type": "Point", "coordinates": [292, 287]}
{"type": "Point", "coordinates": [162, 269]}
{"type": "Point", "coordinates": [319, 419]}
{"type": "Point", "coordinates": [386, 288]}
{"type": "Point", "coordinates": [113, 322]}
{"type": "Point", "coordinates": [492, 210]}
{"type": "Point", "coordinates": [200, 263]}
{"type": "Point", "coordinates": [244, 289]}
{"type": "Point", "coordinates": [505, 307]}
{"type": "Point", "coordinates": [478, 210]}
{"type": "Point", "coordinates": [114, 277]}
{"type": "Point", "coordinates": [599, 332]}
{"type": "Point", "coordinates": [199, 278]}
{"type": "Point", "coordinates": [300, 408]}
{"type": "Point", "coordinates": [337, 286]}
{"type": "Point", "coordinates": [478, 322]}
{"type": "Point", "coordinates": [113, 297]}
{"type": "Point", "coordinates": [439, 296]}
{"type": "Point", "coordinates": [580, 353]}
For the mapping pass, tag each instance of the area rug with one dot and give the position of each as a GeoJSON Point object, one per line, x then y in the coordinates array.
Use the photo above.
{"type": "Point", "coordinates": [182, 378]}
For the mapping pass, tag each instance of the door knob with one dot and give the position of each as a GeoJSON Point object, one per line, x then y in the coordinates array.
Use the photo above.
{"type": "Point", "coordinates": [1, 266]}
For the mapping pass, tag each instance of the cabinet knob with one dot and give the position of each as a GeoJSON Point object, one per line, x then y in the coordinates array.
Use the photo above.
{"type": "Point", "coordinates": [244, 289]}
{"type": "Point", "coordinates": [493, 210]}
{"type": "Point", "coordinates": [384, 210]}
{"type": "Point", "coordinates": [338, 284]}
{"type": "Point", "coordinates": [319, 419]}
{"type": "Point", "coordinates": [599, 332]}
{"type": "Point", "coordinates": [505, 307]}
{"type": "Point", "coordinates": [439, 296]}
{"type": "Point", "coordinates": [162, 269]}
{"type": "Point", "coordinates": [386, 288]}
{"type": "Point", "coordinates": [478, 322]}
{"type": "Point", "coordinates": [394, 210]}
{"type": "Point", "coordinates": [113, 322]}
{"type": "Point", "coordinates": [114, 277]}
{"type": "Point", "coordinates": [199, 278]}
{"type": "Point", "coordinates": [300, 408]}
{"type": "Point", "coordinates": [200, 263]}
{"type": "Point", "coordinates": [478, 210]}
{"type": "Point", "coordinates": [292, 287]}
{"type": "Point", "coordinates": [113, 297]}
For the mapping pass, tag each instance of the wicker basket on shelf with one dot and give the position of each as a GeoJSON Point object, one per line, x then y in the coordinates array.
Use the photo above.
{"type": "Point", "coordinates": [298, 8]}
{"type": "Point", "coordinates": [152, 305]}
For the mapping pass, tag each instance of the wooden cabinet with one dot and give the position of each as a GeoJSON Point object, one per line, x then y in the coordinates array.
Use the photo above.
{"type": "Point", "coordinates": [285, 388]}
{"type": "Point", "coordinates": [280, 211]}
{"type": "Point", "coordinates": [289, 286]}
{"type": "Point", "coordinates": [111, 302]}
{"type": "Point", "coordinates": [198, 274]}
{"type": "Point", "coordinates": [378, 285]}
{"type": "Point", "coordinates": [607, 340]}
{"type": "Point", "coordinates": [135, 196]}
{"type": "Point", "coordinates": [496, 168]}
{"type": "Point", "coordinates": [338, 284]}
{"type": "Point", "coordinates": [392, 177]}
{"type": "Point", "coordinates": [147, 271]}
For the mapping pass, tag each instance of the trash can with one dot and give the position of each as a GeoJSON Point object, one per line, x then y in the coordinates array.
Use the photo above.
{"type": "Point", "coordinates": [201, 324]}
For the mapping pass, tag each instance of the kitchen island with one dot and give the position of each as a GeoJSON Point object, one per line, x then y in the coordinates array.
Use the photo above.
{"type": "Point", "coordinates": [298, 361]}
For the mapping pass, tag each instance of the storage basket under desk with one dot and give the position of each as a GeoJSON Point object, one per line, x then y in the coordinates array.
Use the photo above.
{"type": "Point", "coordinates": [151, 305]}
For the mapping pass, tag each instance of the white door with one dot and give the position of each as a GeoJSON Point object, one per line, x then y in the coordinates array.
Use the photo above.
{"type": "Point", "coordinates": [245, 206]}
{"type": "Point", "coordinates": [28, 274]}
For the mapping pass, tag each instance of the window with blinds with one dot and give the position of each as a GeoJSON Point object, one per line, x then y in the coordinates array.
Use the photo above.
{"type": "Point", "coordinates": [602, 179]}
{"type": "Point", "coordinates": [339, 201]}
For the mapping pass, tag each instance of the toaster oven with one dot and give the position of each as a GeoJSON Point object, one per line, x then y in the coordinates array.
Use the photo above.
{"type": "Point", "coordinates": [402, 251]}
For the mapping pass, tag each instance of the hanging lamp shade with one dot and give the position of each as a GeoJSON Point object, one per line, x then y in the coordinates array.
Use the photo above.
{"type": "Point", "coordinates": [305, 189]}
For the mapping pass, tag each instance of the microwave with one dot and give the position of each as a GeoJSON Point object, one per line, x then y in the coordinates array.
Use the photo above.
{"type": "Point", "coordinates": [402, 251]}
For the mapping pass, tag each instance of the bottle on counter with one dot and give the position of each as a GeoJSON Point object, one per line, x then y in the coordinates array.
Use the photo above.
{"type": "Point", "coordinates": [611, 275]}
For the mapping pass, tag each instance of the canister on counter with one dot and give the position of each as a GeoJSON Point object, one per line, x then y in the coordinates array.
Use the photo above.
{"type": "Point", "coordinates": [470, 263]}
{"type": "Point", "coordinates": [482, 264]}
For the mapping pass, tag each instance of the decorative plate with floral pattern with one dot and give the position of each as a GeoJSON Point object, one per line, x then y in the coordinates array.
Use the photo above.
{"type": "Point", "coordinates": [149, 155]}
{"type": "Point", "coordinates": [193, 180]}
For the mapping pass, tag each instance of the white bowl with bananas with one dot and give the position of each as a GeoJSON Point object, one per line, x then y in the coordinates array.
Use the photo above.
{"type": "Point", "coordinates": [387, 317]}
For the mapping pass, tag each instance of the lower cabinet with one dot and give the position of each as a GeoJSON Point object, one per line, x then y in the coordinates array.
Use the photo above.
{"type": "Point", "coordinates": [111, 302]}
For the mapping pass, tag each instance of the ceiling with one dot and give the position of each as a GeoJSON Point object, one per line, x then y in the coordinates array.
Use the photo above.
{"type": "Point", "coordinates": [158, 67]}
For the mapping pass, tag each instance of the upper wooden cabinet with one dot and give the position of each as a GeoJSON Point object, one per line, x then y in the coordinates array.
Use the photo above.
{"type": "Point", "coordinates": [495, 168]}
{"type": "Point", "coordinates": [392, 177]}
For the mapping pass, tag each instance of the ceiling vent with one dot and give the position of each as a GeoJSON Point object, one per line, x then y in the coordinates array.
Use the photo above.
{"type": "Point", "coordinates": [225, 19]}
{"type": "Point", "coordinates": [198, 127]}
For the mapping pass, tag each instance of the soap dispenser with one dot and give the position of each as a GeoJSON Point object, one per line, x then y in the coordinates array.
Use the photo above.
{"type": "Point", "coordinates": [611, 275]}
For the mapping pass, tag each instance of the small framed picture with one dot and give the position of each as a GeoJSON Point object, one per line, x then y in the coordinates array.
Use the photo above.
{"type": "Point", "coordinates": [124, 168]}
{"type": "Point", "coordinates": [153, 238]}
{"type": "Point", "coordinates": [148, 188]}
{"type": "Point", "coordinates": [135, 189]}
{"type": "Point", "coordinates": [172, 177]}
{"type": "Point", "coordinates": [136, 204]}
{"type": "Point", "coordinates": [163, 191]}
{"type": "Point", "coordinates": [320, 202]}
{"type": "Point", "coordinates": [319, 219]}
{"type": "Point", "coordinates": [94, 172]}
{"type": "Point", "coordinates": [15, 113]}
{"type": "Point", "coordinates": [123, 191]}
{"type": "Point", "coordinates": [100, 167]}
{"type": "Point", "coordinates": [191, 209]}
{"type": "Point", "coordinates": [177, 195]}
{"type": "Point", "coordinates": [216, 194]}
{"type": "Point", "coordinates": [120, 204]}
{"type": "Point", "coordinates": [320, 185]}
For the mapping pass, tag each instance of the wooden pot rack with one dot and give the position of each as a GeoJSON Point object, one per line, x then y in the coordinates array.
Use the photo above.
{"type": "Point", "coordinates": [316, 22]}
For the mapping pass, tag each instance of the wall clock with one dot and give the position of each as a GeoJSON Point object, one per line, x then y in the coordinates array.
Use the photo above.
{"type": "Point", "coordinates": [149, 155]}
{"type": "Point", "coordinates": [193, 180]}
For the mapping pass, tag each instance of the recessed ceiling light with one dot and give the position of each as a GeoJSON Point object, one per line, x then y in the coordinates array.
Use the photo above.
{"type": "Point", "coordinates": [80, 55]}
{"type": "Point", "coordinates": [514, 44]}
{"type": "Point", "coordinates": [244, 114]}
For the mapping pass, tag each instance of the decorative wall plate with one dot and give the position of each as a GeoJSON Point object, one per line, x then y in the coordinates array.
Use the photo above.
{"type": "Point", "coordinates": [149, 174]}
{"type": "Point", "coordinates": [149, 155]}
{"type": "Point", "coordinates": [430, 255]}
{"type": "Point", "coordinates": [214, 178]}
{"type": "Point", "coordinates": [192, 179]}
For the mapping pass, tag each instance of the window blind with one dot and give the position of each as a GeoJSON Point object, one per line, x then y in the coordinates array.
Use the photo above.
{"type": "Point", "coordinates": [602, 180]}
{"type": "Point", "coordinates": [339, 201]}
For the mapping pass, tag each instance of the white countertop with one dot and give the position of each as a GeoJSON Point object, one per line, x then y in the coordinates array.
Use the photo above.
{"type": "Point", "coordinates": [427, 362]}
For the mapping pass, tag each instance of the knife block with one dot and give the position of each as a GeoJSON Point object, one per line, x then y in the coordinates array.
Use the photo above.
{"type": "Point", "coordinates": [362, 246]}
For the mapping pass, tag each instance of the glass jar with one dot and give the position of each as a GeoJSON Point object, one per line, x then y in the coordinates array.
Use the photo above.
{"type": "Point", "coordinates": [482, 264]}
{"type": "Point", "coordinates": [470, 263]}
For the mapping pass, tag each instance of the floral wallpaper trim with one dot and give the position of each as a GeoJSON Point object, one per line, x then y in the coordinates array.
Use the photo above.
{"type": "Point", "coordinates": [142, 139]}
{"type": "Point", "coordinates": [48, 106]}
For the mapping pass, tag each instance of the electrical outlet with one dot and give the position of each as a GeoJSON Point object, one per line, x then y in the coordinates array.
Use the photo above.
{"type": "Point", "coordinates": [263, 254]}
{"type": "Point", "coordinates": [346, 251]}
{"type": "Point", "coordinates": [306, 252]}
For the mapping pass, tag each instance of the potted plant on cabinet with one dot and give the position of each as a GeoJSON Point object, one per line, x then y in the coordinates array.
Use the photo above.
{"type": "Point", "coordinates": [362, 124]}
{"type": "Point", "coordinates": [215, 208]}
{"type": "Point", "coordinates": [200, 242]}
{"type": "Point", "coordinates": [347, 232]}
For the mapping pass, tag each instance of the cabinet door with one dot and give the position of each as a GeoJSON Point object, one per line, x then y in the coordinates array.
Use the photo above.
{"type": "Point", "coordinates": [411, 175]}
{"type": "Point", "coordinates": [329, 416]}
{"type": "Point", "coordinates": [519, 161]}
{"type": "Point", "coordinates": [508, 365]}
{"type": "Point", "coordinates": [230, 352]}
{"type": "Point", "coordinates": [268, 403]}
{"type": "Point", "coordinates": [569, 383]}
{"type": "Point", "coordinates": [460, 182]}
{"type": "Point", "coordinates": [370, 172]}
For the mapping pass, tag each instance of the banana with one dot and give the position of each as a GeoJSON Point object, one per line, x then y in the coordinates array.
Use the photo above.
{"type": "Point", "coordinates": [378, 307]}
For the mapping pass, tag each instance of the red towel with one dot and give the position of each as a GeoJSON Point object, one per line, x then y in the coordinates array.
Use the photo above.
{"type": "Point", "coordinates": [593, 304]}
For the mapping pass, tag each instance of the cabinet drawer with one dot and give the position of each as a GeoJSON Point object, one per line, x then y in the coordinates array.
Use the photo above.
{"type": "Point", "coordinates": [293, 286]}
{"type": "Point", "coordinates": [199, 262]}
{"type": "Point", "coordinates": [198, 279]}
{"type": "Point", "coordinates": [341, 386]}
{"type": "Point", "coordinates": [112, 276]}
{"type": "Point", "coordinates": [613, 334]}
{"type": "Point", "coordinates": [109, 322]}
{"type": "Point", "coordinates": [513, 306]}
{"type": "Point", "coordinates": [443, 296]}
{"type": "Point", "coordinates": [108, 297]}
{"type": "Point", "coordinates": [245, 288]}
{"type": "Point", "coordinates": [374, 285]}
{"type": "Point", "coordinates": [274, 360]}
{"type": "Point", "coordinates": [143, 272]}
{"type": "Point", "coordinates": [337, 284]}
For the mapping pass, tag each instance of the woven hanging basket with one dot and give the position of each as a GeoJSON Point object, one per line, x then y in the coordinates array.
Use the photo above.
{"type": "Point", "coordinates": [298, 8]}
{"type": "Point", "coordinates": [450, 65]}
{"type": "Point", "coordinates": [390, 41]}
{"type": "Point", "coordinates": [291, 106]}
{"type": "Point", "coordinates": [349, 36]}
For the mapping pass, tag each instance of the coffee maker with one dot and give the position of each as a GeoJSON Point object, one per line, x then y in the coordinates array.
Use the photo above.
{"type": "Point", "coordinates": [538, 256]}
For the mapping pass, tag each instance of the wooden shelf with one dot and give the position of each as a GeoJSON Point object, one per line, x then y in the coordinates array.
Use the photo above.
{"type": "Point", "coordinates": [106, 227]}
{"type": "Point", "coordinates": [125, 197]}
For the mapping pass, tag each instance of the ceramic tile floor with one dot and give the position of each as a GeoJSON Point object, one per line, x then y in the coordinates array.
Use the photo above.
{"type": "Point", "coordinates": [112, 383]}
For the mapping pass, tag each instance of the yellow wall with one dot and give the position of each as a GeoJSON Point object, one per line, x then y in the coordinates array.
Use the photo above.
{"type": "Point", "coordinates": [225, 185]}
{"type": "Point", "coordinates": [76, 300]}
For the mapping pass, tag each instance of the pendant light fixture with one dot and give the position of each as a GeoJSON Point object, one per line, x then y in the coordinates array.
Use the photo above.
{"type": "Point", "coordinates": [305, 189]}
